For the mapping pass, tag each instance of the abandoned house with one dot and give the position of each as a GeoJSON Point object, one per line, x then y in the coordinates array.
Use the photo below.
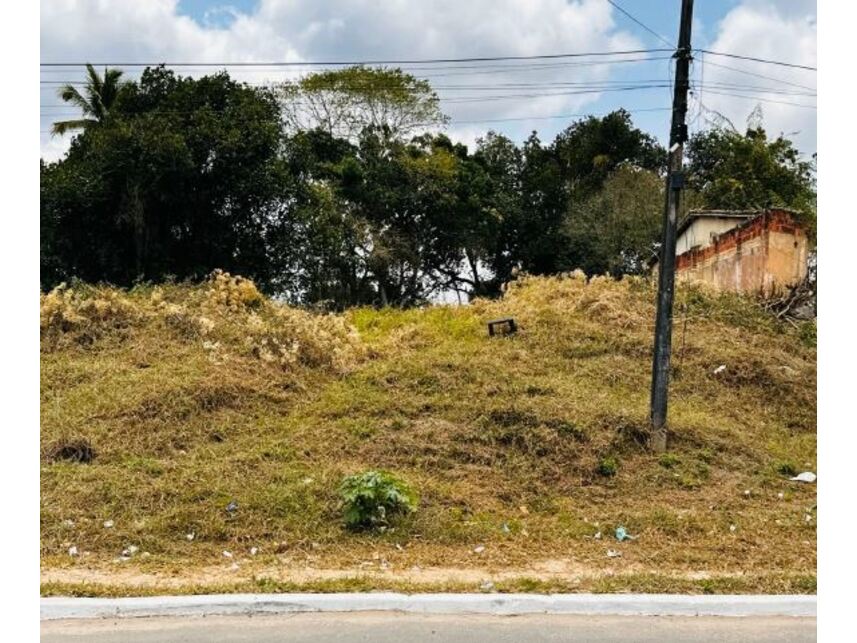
{"type": "Point", "coordinates": [745, 251]}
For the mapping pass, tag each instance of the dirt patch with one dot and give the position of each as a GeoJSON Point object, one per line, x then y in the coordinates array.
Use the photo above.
{"type": "Point", "coordinates": [556, 569]}
{"type": "Point", "coordinates": [69, 451]}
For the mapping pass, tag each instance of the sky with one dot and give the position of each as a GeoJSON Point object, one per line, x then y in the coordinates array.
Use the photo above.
{"type": "Point", "coordinates": [223, 31]}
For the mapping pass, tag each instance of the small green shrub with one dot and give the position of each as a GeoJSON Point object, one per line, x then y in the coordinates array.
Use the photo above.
{"type": "Point", "coordinates": [808, 334]}
{"type": "Point", "coordinates": [373, 498]}
{"type": "Point", "coordinates": [668, 460]}
{"type": "Point", "coordinates": [786, 468]}
{"type": "Point", "coordinates": [608, 466]}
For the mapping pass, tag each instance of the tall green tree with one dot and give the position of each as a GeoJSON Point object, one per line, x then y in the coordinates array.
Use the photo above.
{"type": "Point", "coordinates": [344, 102]}
{"type": "Point", "coordinates": [539, 187]}
{"type": "Point", "coordinates": [99, 96]}
{"type": "Point", "coordinates": [615, 230]}
{"type": "Point", "coordinates": [406, 196]}
{"type": "Point", "coordinates": [590, 149]}
{"type": "Point", "coordinates": [184, 177]}
{"type": "Point", "coordinates": [749, 171]}
{"type": "Point", "coordinates": [493, 230]}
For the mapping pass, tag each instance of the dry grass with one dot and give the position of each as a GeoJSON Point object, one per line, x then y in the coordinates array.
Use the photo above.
{"type": "Point", "coordinates": [190, 397]}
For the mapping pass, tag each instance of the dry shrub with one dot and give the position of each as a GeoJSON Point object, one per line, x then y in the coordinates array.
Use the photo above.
{"type": "Point", "coordinates": [232, 294]}
{"type": "Point", "coordinates": [599, 299]}
{"type": "Point", "coordinates": [288, 336]}
{"type": "Point", "coordinates": [82, 314]}
{"type": "Point", "coordinates": [227, 317]}
{"type": "Point", "coordinates": [614, 302]}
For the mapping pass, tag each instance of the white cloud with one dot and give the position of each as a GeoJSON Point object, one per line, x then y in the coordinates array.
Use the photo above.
{"type": "Point", "coordinates": [53, 147]}
{"type": "Point", "coordinates": [784, 30]}
{"type": "Point", "coordinates": [295, 30]}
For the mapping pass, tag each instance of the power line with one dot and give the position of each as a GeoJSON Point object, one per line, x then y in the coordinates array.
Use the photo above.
{"type": "Point", "coordinates": [760, 99]}
{"type": "Point", "coordinates": [758, 60]}
{"type": "Point", "coordinates": [336, 63]}
{"type": "Point", "coordinates": [750, 73]}
{"type": "Point", "coordinates": [535, 118]}
{"type": "Point", "coordinates": [455, 100]}
{"type": "Point", "coordinates": [424, 61]}
{"type": "Point", "coordinates": [639, 22]}
{"type": "Point", "coordinates": [478, 69]}
{"type": "Point", "coordinates": [380, 86]}
{"type": "Point", "coordinates": [588, 86]}
{"type": "Point", "coordinates": [523, 118]}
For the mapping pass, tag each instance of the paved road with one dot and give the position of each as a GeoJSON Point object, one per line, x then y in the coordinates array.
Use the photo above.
{"type": "Point", "coordinates": [385, 627]}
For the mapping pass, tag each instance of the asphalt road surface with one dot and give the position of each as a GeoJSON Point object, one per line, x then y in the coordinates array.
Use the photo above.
{"type": "Point", "coordinates": [383, 627]}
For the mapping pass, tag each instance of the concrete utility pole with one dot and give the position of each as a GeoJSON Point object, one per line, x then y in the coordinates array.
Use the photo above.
{"type": "Point", "coordinates": [666, 265]}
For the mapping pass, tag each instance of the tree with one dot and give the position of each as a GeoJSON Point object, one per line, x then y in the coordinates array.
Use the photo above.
{"type": "Point", "coordinates": [405, 195]}
{"type": "Point", "coordinates": [100, 96]}
{"type": "Point", "coordinates": [495, 232]}
{"type": "Point", "coordinates": [590, 149]}
{"type": "Point", "coordinates": [358, 204]}
{"type": "Point", "coordinates": [184, 177]}
{"type": "Point", "coordinates": [344, 102]}
{"type": "Point", "coordinates": [749, 171]}
{"type": "Point", "coordinates": [615, 230]}
{"type": "Point", "coordinates": [537, 188]}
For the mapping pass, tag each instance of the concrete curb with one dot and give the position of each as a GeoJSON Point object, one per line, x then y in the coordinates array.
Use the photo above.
{"type": "Point", "coordinates": [496, 604]}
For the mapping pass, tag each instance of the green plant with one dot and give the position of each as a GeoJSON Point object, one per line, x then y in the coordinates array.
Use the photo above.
{"type": "Point", "coordinates": [608, 466]}
{"type": "Point", "coordinates": [786, 468]}
{"type": "Point", "coordinates": [372, 498]}
{"type": "Point", "coordinates": [808, 334]}
{"type": "Point", "coordinates": [668, 460]}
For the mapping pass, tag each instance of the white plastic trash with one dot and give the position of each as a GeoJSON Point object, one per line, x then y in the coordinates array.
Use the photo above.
{"type": "Point", "coordinates": [806, 476]}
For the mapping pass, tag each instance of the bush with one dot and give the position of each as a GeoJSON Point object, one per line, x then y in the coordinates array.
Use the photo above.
{"type": "Point", "coordinates": [808, 334]}
{"type": "Point", "coordinates": [607, 467]}
{"type": "Point", "coordinates": [669, 460]}
{"type": "Point", "coordinates": [786, 468]}
{"type": "Point", "coordinates": [373, 498]}
{"type": "Point", "coordinates": [226, 316]}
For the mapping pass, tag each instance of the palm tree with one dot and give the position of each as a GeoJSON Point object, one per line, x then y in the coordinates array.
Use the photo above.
{"type": "Point", "coordinates": [98, 97]}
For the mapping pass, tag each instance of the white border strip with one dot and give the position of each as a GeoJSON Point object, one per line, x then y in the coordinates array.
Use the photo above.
{"type": "Point", "coordinates": [497, 604]}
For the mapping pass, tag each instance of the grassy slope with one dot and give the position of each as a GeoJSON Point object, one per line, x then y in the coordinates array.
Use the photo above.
{"type": "Point", "coordinates": [502, 438]}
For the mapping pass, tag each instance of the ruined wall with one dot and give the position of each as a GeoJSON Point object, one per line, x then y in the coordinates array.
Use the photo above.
{"type": "Point", "coordinates": [763, 254]}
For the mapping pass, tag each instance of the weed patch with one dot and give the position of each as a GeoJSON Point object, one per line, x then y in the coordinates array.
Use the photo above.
{"type": "Point", "coordinates": [163, 404]}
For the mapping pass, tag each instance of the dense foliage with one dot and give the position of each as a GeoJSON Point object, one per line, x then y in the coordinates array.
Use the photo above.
{"type": "Point", "coordinates": [373, 498]}
{"type": "Point", "coordinates": [174, 177]}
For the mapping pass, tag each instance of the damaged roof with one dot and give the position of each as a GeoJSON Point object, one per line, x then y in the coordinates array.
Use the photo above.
{"type": "Point", "coordinates": [693, 215]}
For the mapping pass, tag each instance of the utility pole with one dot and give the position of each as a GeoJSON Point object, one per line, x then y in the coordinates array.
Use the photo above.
{"type": "Point", "coordinates": [666, 265]}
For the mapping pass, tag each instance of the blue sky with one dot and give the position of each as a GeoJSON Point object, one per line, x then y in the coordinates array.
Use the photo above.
{"type": "Point", "coordinates": [214, 13]}
{"type": "Point", "coordinates": [304, 30]}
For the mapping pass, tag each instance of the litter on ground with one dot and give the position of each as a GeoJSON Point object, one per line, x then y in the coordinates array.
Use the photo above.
{"type": "Point", "coordinates": [622, 534]}
{"type": "Point", "coordinates": [806, 476]}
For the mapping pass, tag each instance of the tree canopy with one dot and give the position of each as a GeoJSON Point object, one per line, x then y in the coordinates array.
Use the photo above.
{"type": "Point", "coordinates": [344, 102]}
{"type": "Point", "coordinates": [185, 176]}
{"type": "Point", "coordinates": [749, 171]}
{"type": "Point", "coordinates": [95, 102]}
{"type": "Point", "coordinates": [364, 203]}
